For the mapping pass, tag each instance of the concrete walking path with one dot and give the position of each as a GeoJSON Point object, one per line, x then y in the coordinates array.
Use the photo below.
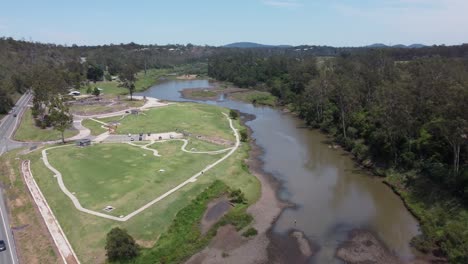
{"type": "Point", "coordinates": [192, 179]}
{"type": "Point", "coordinates": [59, 237]}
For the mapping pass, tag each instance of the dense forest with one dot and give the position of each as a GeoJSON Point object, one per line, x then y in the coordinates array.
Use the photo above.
{"type": "Point", "coordinates": [50, 69]}
{"type": "Point", "coordinates": [402, 117]}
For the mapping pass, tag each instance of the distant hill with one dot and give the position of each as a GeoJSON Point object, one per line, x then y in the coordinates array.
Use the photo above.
{"type": "Point", "coordinates": [401, 46]}
{"type": "Point", "coordinates": [248, 45]}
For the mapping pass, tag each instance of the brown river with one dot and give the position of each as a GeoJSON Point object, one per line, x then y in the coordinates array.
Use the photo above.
{"type": "Point", "coordinates": [332, 196]}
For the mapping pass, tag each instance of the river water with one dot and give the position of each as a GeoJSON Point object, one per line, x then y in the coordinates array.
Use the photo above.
{"type": "Point", "coordinates": [332, 195]}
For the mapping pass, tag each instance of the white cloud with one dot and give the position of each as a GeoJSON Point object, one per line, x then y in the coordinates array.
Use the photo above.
{"type": "Point", "coordinates": [282, 3]}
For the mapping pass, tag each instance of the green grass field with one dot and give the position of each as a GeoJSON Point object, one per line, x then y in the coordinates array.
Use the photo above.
{"type": "Point", "coordinates": [151, 223]}
{"type": "Point", "coordinates": [257, 97]}
{"type": "Point", "coordinates": [95, 127]}
{"type": "Point", "coordinates": [124, 176]}
{"type": "Point", "coordinates": [198, 119]}
{"type": "Point", "coordinates": [28, 131]}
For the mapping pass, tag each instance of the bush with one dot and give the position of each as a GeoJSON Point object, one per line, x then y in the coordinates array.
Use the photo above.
{"type": "Point", "coordinates": [233, 114]}
{"type": "Point", "coordinates": [250, 232]}
{"type": "Point", "coordinates": [89, 90]}
{"type": "Point", "coordinates": [237, 196]}
{"type": "Point", "coordinates": [120, 245]}
{"type": "Point", "coordinates": [243, 135]}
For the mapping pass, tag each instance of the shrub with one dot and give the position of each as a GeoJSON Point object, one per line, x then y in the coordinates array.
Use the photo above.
{"type": "Point", "coordinates": [233, 114]}
{"type": "Point", "coordinates": [120, 245]}
{"type": "Point", "coordinates": [250, 232]}
{"type": "Point", "coordinates": [243, 135]}
{"type": "Point", "coordinates": [237, 196]}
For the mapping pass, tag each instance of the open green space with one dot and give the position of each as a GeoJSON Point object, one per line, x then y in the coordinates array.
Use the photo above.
{"type": "Point", "coordinates": [192, 118]}
{"type": "Point", "coordinates": [95, 127]}
{"type": "Point", "coordinates": [124, 176]}
{"type": "Point", "coordinates": [28, 131]}
{"type": "Point", "coordinates": [146, 227]}
{"type": "Point", "coordinates": [94, 109]}
{"type": "Point", "coordinates": [255, 97]}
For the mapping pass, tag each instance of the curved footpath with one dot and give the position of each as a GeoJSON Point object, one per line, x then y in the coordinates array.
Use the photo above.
{"type": "Point", "coordinates": [192, 179]}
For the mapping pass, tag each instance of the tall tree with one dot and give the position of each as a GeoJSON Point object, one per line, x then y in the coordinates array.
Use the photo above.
{"type": "Point", "coordinates": [60, 116]}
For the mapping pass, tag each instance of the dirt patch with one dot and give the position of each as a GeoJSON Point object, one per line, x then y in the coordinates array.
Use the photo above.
{"type": "Point", "coordinates": [364, 247]}
{"type": "Point", "coordinates": [146, 243]}
{"type": "Point", "coordinates": [215, 210]}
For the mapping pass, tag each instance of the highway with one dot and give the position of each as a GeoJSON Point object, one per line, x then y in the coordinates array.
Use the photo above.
{"type": "Point", "coordinates": [7, 127]}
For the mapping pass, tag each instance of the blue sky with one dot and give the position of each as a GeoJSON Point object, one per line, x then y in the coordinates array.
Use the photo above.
{"type": "Point", "coordinates": [218, 22]}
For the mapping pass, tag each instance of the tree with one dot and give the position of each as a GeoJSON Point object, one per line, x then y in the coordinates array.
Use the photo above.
{"type": "Point", "coordinates": [96, 91]}
{"type": "Point", "coordinates": [120, 245]}
{"type": "Point", "coordinates": [233, 114]}
{"type": "Point", "coordinates": [243, 135]}
{"type": "Point", "coordinates": [60, 116]}
{"type": "Point", "coordinates": [128, 78]}
{"type": "Point", "coordinates": [94, 73]}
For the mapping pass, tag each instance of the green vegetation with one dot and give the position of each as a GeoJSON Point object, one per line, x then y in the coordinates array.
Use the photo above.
{"type": "Point", "coordinates": [203, 94]}
{"type": "Point", "coordinates": [250, 232]}
{"type": "Point", "coordinates": [172, 246]}
{"type": "Point", "coordinates": [408, 117]}
{"type": "Point", "coordinates": [124, 176]}
{"type": "Point", "coordinates": [33, 240]}
{"type": "Point", "coordinates": [244, 136]}
{"type": "Point", "coordinates": [120, 246]}
{"type": "Point", "coordinates": [192, 118]}
{"type": "Point", "coordinates": [255, 97]}
{"type": "Point", "coordinates": [95, 127]}
{"type": "Point", "coordinates": [233, 114]}
{"type": "Point", "coordinates": [149, 225]}
{"type": "Point", "coordinates": [201, 145]}
{"type": "Point", "coordinates": [28, 131]}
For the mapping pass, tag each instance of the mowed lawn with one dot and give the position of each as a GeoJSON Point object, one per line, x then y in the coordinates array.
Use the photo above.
{"type": "Point", "coordinates": [198, 119]}
{"type": "Point", "coordinates": [146, 227]}
{"type": "Point", "coordinates": [28, 131]}
{"type": "Point", "coordinates": [124, 176]}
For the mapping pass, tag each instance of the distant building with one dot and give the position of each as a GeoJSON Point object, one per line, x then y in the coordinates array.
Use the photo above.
{"type": "Point", "coordinates": [83, 142]}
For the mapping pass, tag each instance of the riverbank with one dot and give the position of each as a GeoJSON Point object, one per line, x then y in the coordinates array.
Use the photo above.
{"type": "Point", "coordinates": [265, 211]}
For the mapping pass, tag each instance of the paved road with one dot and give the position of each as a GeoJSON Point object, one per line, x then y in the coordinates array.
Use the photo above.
{"type": "Point", "coordinates": [7, 127]}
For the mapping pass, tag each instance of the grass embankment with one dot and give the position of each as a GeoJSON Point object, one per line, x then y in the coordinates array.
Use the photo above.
{"type": "Point", "coordinates": [95, 127]}
{"type": "Point", "coordinates": [100, 108]}
{"type": "Point", "coordinates": [193, 118]}
{"type": "Point", "coordinates": [255, 97]}
{"type": "Point", "coordinates": [443, 220]}
{"type": "Point", "coordinates": [32, 238]}
{"type": "Point", "coordinates": [124, 176]}
{"type": "Point", "coordinates": [28, 131]}
{"type": "Point", "coordinates": [148, 226]}
{"type": "Point", "coordinates": [183, 237]}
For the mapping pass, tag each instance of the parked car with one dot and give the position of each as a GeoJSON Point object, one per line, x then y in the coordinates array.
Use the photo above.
{"type": "Point", "coordinates": [2, 245]}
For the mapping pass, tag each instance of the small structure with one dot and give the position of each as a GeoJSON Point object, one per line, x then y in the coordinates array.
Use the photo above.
{"type": "Point", "coordinates": [134, 111]}
{"type": "Point", "coordinates": [83, 142]}
{"type": "Point", "coordinates": [74, 93]}
{"type": "Point", "coordinates": [108, 208]}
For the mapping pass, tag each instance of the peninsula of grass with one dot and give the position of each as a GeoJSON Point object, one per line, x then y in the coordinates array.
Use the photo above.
{"type": "Point", "coordinates": [255, 97]}
{"type": "Point", "coordinates": [95, 127]}
{"type": "Point", "coordinates": [28, 131]}
{"type": "Point", "coordinates": [192, 118]}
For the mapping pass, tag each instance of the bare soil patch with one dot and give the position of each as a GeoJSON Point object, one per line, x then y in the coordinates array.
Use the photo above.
{"type": "Point", "coordinates": [364, 247]}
